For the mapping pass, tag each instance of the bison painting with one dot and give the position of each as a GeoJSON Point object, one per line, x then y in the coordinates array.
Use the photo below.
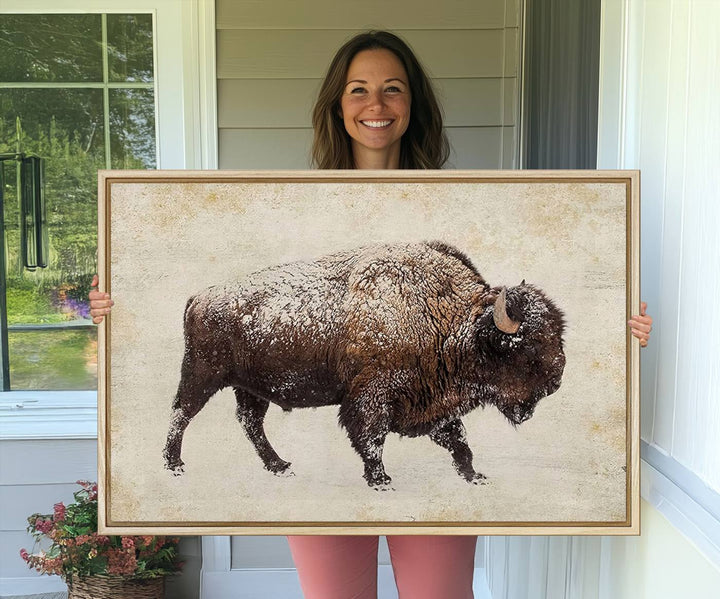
{"type": "Point", "coordinates": [404, 338]}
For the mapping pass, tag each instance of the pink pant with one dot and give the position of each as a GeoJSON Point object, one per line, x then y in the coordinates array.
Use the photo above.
{"type": "Point", "coordinates": [345, 567]}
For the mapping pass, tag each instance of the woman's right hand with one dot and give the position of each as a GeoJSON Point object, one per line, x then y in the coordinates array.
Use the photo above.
{"type": "Point", "coordinates": [100, 302]}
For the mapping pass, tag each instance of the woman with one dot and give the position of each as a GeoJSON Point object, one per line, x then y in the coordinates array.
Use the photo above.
{"type": "Point", "coordinates": [376, 110]}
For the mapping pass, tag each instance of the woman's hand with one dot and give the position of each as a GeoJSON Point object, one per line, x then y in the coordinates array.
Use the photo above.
{"type": "Point", "coordinates": [641, 325]}
{"type": "Point", "coordinates": [100, 302]}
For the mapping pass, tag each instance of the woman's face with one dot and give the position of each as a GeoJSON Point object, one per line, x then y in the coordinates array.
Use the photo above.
{"type": "Point", "coordinates": [375, 106]}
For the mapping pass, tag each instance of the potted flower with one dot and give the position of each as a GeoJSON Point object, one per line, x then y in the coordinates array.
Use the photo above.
{"type": "Point", "coordinates": [97, 566]}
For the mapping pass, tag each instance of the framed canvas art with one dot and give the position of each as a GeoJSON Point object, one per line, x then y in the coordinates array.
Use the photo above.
{"type": "Point", "coordinates": [369, 352]}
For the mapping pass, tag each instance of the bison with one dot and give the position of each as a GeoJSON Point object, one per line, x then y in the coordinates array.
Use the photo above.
{"type": "Point", "coordinates": [404, 338]}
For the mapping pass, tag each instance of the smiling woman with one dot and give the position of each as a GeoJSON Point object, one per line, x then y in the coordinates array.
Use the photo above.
{"type": "Point", "coordinates": [375, 108]}
{"type": "Point", "coordinates": [375, 78]}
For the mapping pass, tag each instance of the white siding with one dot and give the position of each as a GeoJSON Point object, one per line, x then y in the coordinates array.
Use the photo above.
{"type": "Point", "coordinates": [660, 84]}
{"type": "Point", "coordinates": [671, 132]}
{"type": "Point", "coordinates": [35, 475]}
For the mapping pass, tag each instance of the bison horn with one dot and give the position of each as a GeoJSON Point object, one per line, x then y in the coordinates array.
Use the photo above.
{"type": "Point", "coordinates": [500, 315]}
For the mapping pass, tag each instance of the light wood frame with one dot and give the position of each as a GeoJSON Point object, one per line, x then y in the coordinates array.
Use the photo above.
{"type": "Point", "coordinates": [108, 184]}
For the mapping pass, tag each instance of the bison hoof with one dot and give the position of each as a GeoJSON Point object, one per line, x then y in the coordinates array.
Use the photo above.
{"type": "Point", "coordinates": [477, 479]}
{"type": "Point", "coordinates": [176, 469]}
{"type": "Point", "coordinates": [280, 468]}
{"type": "Point", "coordinates": [380, 481]}
{"type": "Point", "coordinates": [383, 487]}
{"type": "Point", "coordinates": [285, 473]}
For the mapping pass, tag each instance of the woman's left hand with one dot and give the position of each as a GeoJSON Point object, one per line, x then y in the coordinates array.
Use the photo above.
{"type": "Point", "coordinates": [641, 325]}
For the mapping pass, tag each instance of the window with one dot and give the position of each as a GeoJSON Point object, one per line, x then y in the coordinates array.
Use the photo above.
{"type": "Point", "coordinates": [77, 90]}
{"type": "Point", "coordinates": [186, 126]}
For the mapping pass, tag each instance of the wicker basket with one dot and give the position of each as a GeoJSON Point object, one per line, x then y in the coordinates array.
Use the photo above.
{"type": "Point", "coordinates": [116, 587]}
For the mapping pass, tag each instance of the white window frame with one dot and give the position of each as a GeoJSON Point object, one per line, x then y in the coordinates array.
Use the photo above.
{"type": "Point", "coordinates": [186, 130]}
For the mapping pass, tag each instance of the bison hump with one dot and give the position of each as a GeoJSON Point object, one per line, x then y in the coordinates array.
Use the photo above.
{"type": "Point", "coordinates": [450, 250]}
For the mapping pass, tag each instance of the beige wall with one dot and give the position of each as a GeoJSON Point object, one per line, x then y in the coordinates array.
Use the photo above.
{"type": "Point", "coordinates": [271, 57]}
{"type": "Point", "coordinates": [659, 564]}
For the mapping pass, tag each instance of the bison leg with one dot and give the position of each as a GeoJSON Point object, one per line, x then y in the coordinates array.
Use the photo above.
{"type": "Point", "coordinates": [366, 420]}
{"type": "Point", "coordinates": [191, 397]}
{"type": "Point", "coordinates": [251, 414]}
{"type": "Point", "coordinates": [452, 437]}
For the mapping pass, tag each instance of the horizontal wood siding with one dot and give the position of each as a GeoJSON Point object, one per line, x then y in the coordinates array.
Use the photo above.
{"type": "Point", "coordinates": [303, 54]}
{"type": "Point", "coordinates": [47, 462]}
{"type": "Point", "coordinates": [271, 58]}
{"type": "Point", "coordinates": [264, 148]}
{"type": "Point", "coordinates": [37, 474]}
{"type": "Point", "coordinates": [471, 148]}
{"type": "Point", "coordinates": [19, 501]}
{"type": "Point", "coordinates": [288, 103]}
{"type": "Point", "coordinates": [329, 14]}
{"type": "Point", "coordinates": [260, 552]}
{"type": "Point", "coordinates": [34, 476]}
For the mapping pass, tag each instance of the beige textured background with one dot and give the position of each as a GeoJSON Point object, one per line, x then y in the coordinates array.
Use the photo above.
{"type": "Point", "coordinates": [170, 240]}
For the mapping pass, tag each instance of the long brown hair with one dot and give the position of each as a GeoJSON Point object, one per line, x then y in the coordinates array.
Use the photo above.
{"type": "Point", "coordinates": [424, 144]}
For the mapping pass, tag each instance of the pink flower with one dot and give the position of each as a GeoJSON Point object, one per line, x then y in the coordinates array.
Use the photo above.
{"type": "Point", "coordinates": [121, 562]}
{"type": "Point", "coordinates": [44, 526]}
{"type": "Point", "coordinates": [24, 554]}
{"type": "Point", "coordinates": [53, 565]}
{"type": "Point", "coordinates": [82, 539]}
{"type": "Point", "coordinates": [59, 509]}
{"type": "Point", "coordinates": [128, 543]}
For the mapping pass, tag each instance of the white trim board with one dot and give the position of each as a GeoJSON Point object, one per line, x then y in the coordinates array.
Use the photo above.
{"type": "Point", "coordinates": [48, 415]}
{"type": "Point", "coordinates": [700, 492]}
{"type": "Point", "coordinates": [683, 511]}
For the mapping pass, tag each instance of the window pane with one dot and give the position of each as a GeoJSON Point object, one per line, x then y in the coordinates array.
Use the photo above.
{"type": "Point", "coordinates": [130, 47]}
{"type": "Point", "coordinates": [65, 127]}
{"type": "Point", "coordinates": [53, 360]}
{"type": "Point", "coordinates": [50, 48]}
{"type": "Point", "coordinates": [53, 121]}
{"type": "Point", "coordinates": [132, 128]}
{"type": "Point", "coordinates": [52, 344]}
